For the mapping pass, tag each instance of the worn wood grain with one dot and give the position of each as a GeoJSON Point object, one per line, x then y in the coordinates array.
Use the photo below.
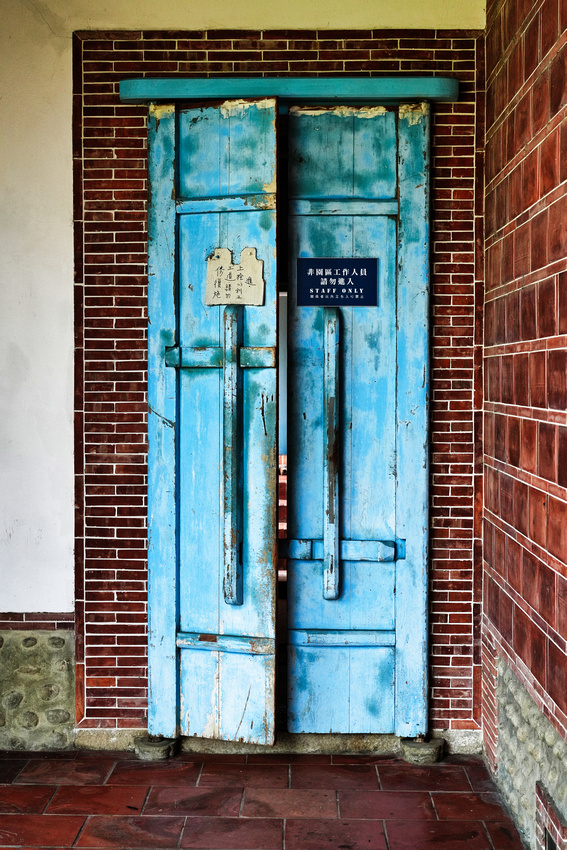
{"type": "Point", "coordinates": [162, 428]}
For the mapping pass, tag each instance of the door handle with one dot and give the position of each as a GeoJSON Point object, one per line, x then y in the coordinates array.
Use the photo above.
{"type": "Point", "coordinates": [232, 525]}
{"type": "Point", "coordinates": [331, 540]}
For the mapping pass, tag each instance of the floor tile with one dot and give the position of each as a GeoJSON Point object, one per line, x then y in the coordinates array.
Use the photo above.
{"type": "Point", "coordinates": [284, 803]}
{"type": "Point", "coordinates": [172, 772]}
{"type": "Point", "coordinates": [232, 834]}
{"type": "Point", "coordinates": [99, 800]}
{"type": "Point", "coordinates": [139, 832]}
{"type": "Point", "coordinates": [213, 802]}
{"type": "Point", "coordinates": [117, 755]}
{"type": "Point", "coordinates": [320, 834]}
{"type": "Point", "coordinates": [504, 836]}
{"type": "Point", "coordinates": [378, 759]}
{"type": "Point", "coordinates": [66, 755]}
{"type": "Point", "coordinates": [10, 768]}
{"type": "Point", "coordinates": [39, 830]}
{"type": "Point", "coordinates": [249, 775]}
{"type": "Point", "coordinates": [221, 758]}
{"type": "Point", "coordinates": [441, 835]}
{"type": "Point", "coordinates": [334, 777]}
{"type": "Point", "coordinates": [73, 772]}
{"type": "Point", "coordinates": [412, 778]}
{"type": "Point", "coordinates": [386, 804]}
{"type": "Point", "coordinates": [468, 806]}
{"type": "Point", "coordinates": [479, 777]}
{"type": "Point", "coordinates": [30, 799]}
{"type": "Point", "coordinates": [290, 758]}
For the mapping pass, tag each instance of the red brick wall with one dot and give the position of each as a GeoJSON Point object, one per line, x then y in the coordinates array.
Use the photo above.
{"type": "Point", "coordinates": [28, 621]}
{"type": "Point", "coordinates": [525, 537]}
{"type": "Point", "coordinates": [110, 214]}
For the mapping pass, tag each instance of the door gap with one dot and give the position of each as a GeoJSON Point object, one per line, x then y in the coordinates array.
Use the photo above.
{"type": "Point", "coordinates": [281, 603]}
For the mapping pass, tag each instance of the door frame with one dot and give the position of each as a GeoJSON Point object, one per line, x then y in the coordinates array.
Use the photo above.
{"type": "Point", "coordinates": [162, 508]}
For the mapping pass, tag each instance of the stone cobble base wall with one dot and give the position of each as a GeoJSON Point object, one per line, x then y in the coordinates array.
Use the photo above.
{"type": "Point", "coordinates": [530, 751]}
{"type": "Point", "coordinates": [37, 689]}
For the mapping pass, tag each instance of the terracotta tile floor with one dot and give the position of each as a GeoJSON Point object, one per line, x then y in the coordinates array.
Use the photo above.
{"type": "Point", "coordinates": [205, 802]}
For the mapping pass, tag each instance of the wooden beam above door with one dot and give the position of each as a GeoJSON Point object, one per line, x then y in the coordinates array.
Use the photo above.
{"type": "Point", "coordinates": [306, 89]}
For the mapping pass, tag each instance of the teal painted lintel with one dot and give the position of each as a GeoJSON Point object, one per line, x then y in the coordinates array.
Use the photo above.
{"type": "Point", "coordinates": [304, 89]}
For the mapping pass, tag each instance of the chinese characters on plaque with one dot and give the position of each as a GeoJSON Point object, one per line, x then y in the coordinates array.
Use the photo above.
{"type": "Point", "coordinates": [234, 283]}
{"type": "Point", "coordinates": [350, 282]}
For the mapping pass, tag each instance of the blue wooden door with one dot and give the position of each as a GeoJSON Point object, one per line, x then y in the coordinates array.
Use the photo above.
{"type": "Point", "coordinates": [212, 423]}
{"type": "Point", "coordinates": [357, 423]}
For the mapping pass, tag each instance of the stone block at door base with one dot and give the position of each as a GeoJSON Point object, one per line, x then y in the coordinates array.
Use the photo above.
{"type": "Point", "coordinates": [416, 751]}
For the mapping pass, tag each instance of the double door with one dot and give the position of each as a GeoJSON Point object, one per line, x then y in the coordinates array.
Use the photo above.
{"type": "Point", "coordinates": [330, 205]}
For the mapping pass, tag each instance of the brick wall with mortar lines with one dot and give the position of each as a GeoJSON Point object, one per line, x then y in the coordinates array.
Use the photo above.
{"type": "Point", "coordinates": [30, 621]}
{"type": "Point", "coordinates": [110, 216]}
{"type": "Point", "coordinates": [525, 538]}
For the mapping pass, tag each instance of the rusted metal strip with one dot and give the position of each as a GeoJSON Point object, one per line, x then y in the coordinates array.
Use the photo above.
{"type": "Point", "coordinates": [232, 578]}
{"type": "Point", "coordinates": [331, 542]}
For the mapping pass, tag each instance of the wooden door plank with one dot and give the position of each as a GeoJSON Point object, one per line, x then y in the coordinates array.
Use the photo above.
{"type": "Point", "coordinates": [316, 678]}
{"type": "Point", "coordinates": [374, 173]}
{"type": "Point", "coordinates": [247, 697]}
{"type": "Point", "coordinates": [320, 154]}
{"type": "Point", "coordinates": [372, 365]}
{"type": "Point", "coordinates": [162, 405]}
{"type": "Point", "coordinates": [200, 148]}
{"type": "Point", "coordinates": [412, 420]}
{"type": "Point", "coordinates": [372, 690]}
{"type": "Point", "coordinates": [200, 451]}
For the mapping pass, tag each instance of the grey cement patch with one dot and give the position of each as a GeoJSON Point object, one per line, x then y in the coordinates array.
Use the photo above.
{"type": "Point", "coordinates": [461, 741]}
{"type": "Point", "coordinates": [37, 690]}
{"type": "Point", "coordinates": [529, 750]}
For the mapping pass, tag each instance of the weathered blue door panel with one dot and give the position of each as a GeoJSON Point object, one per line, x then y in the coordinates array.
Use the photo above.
{"type": "Point", "coordinates": [220, 368]}
{"type": "Point", "coordinates": [340, 153]}
{"type": "Point", "coordinates": [233, 710]}
{"type": "Point", "coordinates": [366, 598]}
{"type": "Point", "coordinates": [361, 159]}
{"type": "Point", "coordinates": [338, 689]}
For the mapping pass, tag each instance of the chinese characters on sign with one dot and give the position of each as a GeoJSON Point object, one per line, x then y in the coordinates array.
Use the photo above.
{"type": "Point", "coordinates": [234, 283]}
{"type": "Point", "coordinates": [351, 282]}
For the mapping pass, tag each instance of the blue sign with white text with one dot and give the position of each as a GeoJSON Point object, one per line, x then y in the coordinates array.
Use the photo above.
{"type": "Point", "coordinates": [337, 281]}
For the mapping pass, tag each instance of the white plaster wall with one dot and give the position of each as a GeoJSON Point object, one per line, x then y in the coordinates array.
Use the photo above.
{"type": "Point", "coordinates": [36, 333]}
{"type": "Point", "coordinates": [36, 318]}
